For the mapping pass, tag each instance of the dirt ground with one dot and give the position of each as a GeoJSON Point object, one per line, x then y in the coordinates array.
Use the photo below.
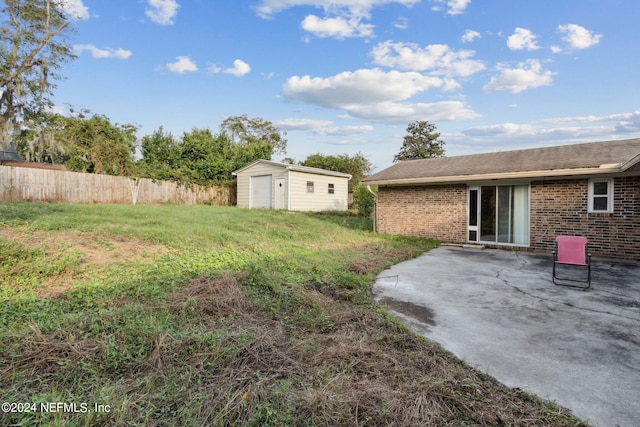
{"type": "Point", "coordinates": [93, 249]}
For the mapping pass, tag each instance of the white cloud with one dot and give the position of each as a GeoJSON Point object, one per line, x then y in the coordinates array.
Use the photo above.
{"type": "Point", "coordinates": [454, 7]}
{"type": "Point", "coordinates": [401, 23]}
{"type": "Point", "coordinates": [183, 65]}
{"type": "Point", "coordinates": [339, 27]}
{"type": "Point", "coordinates": [321, 127]}
{"type": "Point", "coordinates": [469, 36]}
{"type": "Point", "coordinates": [103, 53]}
{"type": "Point", "coordinates": [343, 130]}
{"type": "Point", "coordinates": [397, 112]}
{"type": "Point", "coordinates": [268, 8]}
{"type": "Point", "coordinates": [240, 68]}
{"type": "Point", "coordinates": [527, 75]}
{"type": "Point", "coordinates": [623, 123]}
{"type": "Point", "coordinates": [535, 133]}
{"type": "Point", "coordinates": [213, 69]}
{"type": "Point", "coordinates": [343, 18]}
{"type": "Point", "coordinates": [501, 130]}
{"type": "Point", "coordinates": [375, 94]}
{"type": "Point", "coordinates": [457, 6]}
{"type": "Point", "coordinates": [162, 12]}
{"type": "Point", "coordinates": [438, 59]}
{"type": "Point", "coordinates": [578, 37]}
{"type": "Point", "coordinates": [522, 39]}
{"type": "Point", "coordinates": [294, 123]}
{"type": "Point", "coordinates": [553, 131]}
{"type": "Point", "coordinates": [61, 110]}
{"type": "Point", "coordinates": [75, 9]}
{"type": "Point", "coordinates": [359, 87]}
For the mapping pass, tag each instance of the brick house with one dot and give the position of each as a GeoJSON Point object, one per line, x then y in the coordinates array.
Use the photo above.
{"type": "Point", "coordinates": [519, 199]}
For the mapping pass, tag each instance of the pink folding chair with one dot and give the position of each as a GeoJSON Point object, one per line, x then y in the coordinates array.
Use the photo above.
{"type": "Point", "coordinates": [572, 251]}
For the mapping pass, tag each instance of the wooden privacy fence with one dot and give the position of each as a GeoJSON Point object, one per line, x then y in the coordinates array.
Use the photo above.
{"type": "Point", "coordinates": [42, 185]}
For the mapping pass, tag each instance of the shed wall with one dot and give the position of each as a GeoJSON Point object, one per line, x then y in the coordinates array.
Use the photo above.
{"type": "Point", "coordinates": [320, 199]}
{"type": "Point", "coordinates": [244, 181]}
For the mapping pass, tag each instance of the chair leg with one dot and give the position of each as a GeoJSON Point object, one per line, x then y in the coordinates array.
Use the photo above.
{"type": "Point", "coordinates": [572, 283]}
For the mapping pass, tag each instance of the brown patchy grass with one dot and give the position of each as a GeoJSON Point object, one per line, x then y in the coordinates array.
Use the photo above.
{"type": "Point", "coordinates": [95, 250]}
{"type": "Point", "coordinates": [271, 343]}
{"type": "Point", "coordinates": [366, 370]}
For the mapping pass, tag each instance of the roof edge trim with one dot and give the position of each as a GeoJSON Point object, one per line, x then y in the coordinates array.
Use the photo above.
{"type": "Point", "coordinates": [506, 175]}
{"type": "Point", "coordinates": [295, 168]}
{"type": "Point", "coordinates": [630, 163]}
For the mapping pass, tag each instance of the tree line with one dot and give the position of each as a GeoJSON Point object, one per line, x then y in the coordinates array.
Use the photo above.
{"type": "Point", "coordinates": [34, 44]}
{"type": "Point", "coordinates": [93, 144]}
{"type": "Point", "coordinates": [88, 143]}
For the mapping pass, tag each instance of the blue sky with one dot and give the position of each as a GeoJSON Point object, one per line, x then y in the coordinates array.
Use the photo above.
{"type": "Point", "coordinates": [348, 76]}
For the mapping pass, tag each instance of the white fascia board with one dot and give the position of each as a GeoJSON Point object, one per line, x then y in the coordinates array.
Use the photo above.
{"type": "Point", "coordinates": [558, 173]}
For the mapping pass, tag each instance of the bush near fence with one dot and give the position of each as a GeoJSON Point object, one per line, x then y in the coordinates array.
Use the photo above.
{"type": "Point", "coordinates": [42, 184]}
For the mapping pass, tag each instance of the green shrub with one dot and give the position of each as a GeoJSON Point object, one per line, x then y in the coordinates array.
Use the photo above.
{"type": "Point", "coordinates": [364, 201]}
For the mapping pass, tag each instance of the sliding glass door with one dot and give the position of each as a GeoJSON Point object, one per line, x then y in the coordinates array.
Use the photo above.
{"type": "Point", "coordinates": [499, 214]}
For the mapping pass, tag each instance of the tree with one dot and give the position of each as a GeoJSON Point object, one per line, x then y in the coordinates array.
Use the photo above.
{"type": "Point", "coordinates": [33, 45]}
{"type": "Point", "coordinates": [199, 157]}
{"type": "Point", "coordinates": [160, 156]}
{"type": "Point", "coordinates": [95, 145]}
{"type": "Point", "coordinates": [358, 166]}
{"type": "Point", "coordinates": [422, 142]}
{"type": "Point", "coordinates": [255, 132]}
{"type": "Point", "coordinates": [38, 143]}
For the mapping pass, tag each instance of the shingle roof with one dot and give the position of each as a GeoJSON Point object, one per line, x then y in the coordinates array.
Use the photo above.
{"type": "Point", "coordinates": [297, 168]}
{"type": "Point", "coordinates": [606, 157]}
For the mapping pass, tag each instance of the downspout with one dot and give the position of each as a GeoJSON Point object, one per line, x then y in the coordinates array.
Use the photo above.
{"type": "Point", "coordinates": [375, 209]}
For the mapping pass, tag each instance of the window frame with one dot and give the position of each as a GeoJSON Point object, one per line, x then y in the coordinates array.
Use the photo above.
{"type": "Point", "coordinates": [310, 187]}
{"type": "Point", "coordinates": [609, 195]}
{"type": "Point", "coordinates": [331, 188]}
{"type": "Point", "coordinates": [475, 222]}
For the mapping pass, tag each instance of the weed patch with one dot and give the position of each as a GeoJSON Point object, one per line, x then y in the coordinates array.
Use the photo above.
{"type": "Point", "coordinates": [232, 318]}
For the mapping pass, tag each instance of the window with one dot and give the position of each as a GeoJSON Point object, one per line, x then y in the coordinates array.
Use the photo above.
{"type": "Point", "coordinates": [309, 186]}
{"type": "Point", "coordinates": [499, 213]}
{"type": "Point", "coordinates": [331, 189]}
{"type": "Point", "coordinates": [601, 196]}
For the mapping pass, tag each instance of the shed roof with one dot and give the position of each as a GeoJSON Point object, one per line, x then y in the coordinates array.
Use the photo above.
{"type": "Point", "coordinates": [564, 160]}
{"type": "Point", "coordinates": [297, 168]}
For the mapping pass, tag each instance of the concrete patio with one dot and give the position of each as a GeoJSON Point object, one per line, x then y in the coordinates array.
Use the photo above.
{"type": "Point", "coordinates": [499, 311]}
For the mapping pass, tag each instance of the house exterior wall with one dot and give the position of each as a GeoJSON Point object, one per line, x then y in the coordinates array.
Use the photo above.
{"type": "Point", "coordinates": [244, 181]}
{"type": "Point", "coordinates": [439, 212]}
{"type": "Point", "coordinates": [557, 207]}
{"type": "Point", "coordinates": [320, 199]}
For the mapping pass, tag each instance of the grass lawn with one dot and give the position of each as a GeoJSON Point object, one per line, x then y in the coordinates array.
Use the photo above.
{"type": "Point", "coordinates": [220, 316]}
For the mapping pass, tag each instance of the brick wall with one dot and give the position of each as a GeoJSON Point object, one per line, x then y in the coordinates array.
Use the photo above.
{"type": "Point", "coordinates": [557, 207]}
{"type": "Point", "coordinates": [439, 212]}
{"type": "Point", "coordinates": [560, 207]}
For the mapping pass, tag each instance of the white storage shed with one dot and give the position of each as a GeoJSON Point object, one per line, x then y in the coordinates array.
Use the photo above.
{"type": "Point", "coordinates": [270, 185]}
